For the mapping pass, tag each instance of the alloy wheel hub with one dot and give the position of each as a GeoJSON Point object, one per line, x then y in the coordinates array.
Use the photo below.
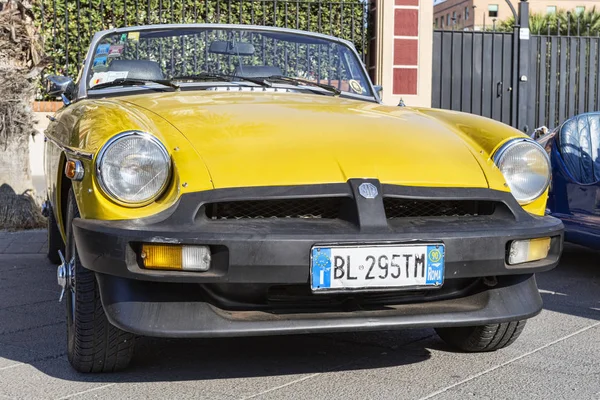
{"type": "Point", "coordinates": [64, 275]}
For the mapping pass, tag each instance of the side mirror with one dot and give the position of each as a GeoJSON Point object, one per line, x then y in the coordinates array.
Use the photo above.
{"type": "Point", "coordinates": [62, 86]}
{"type": "Point", "coordinates": [378, 90]}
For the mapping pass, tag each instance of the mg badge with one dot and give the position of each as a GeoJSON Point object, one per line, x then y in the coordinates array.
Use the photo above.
{"type": "Point", "coordinates": [367, 190]}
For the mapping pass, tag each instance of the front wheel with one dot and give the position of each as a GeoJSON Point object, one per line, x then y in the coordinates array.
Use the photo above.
{"type": "Point", "coordinates": [93, 344]}
{"type": "Point", "coordinates": [482, 338]}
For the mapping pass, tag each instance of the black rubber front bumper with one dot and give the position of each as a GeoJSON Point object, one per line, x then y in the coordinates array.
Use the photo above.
{"type": "Point", "coordinates": [150, 310]}
{"type": "Point", "coordinates": [265, 252]}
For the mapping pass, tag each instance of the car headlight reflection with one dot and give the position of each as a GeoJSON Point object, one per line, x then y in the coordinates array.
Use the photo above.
{"type": "Point", "coordinates": [526, 169]}
{"type": "Point", "coordinates": [133, 167]}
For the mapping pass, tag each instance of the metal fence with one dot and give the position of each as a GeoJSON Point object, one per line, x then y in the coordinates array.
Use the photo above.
{"type": "Point", "coordinates": [473, 72]}
{"type": "Point", "coordinates": [563, 78]}
{"type": "Point", "coordinates": [517, 78]}
{"type": "Point", "coordinates": [67, 26]}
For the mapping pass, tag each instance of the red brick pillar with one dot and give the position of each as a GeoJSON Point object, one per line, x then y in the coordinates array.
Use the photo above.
{"type": "Point", "coordinates": [403, 36]}
{"type": "Point", "coordinates": [406, 47]}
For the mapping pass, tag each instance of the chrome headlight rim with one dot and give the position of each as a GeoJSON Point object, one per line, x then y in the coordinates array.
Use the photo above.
{"type": "Point", "coordinates": [100, 158]}
{"type": "Point", "coordinates": [513, 142]}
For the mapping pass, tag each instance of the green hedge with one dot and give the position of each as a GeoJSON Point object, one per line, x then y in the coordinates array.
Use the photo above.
{"type": "Point", "coordinates": [68, 25]}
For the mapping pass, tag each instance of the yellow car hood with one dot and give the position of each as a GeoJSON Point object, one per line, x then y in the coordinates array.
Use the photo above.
{"type": "Point", "coordinates": [269, 139]}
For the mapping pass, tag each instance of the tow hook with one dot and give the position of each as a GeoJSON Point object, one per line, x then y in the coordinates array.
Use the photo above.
{"type": "Point", "coordinates": [64, 275]}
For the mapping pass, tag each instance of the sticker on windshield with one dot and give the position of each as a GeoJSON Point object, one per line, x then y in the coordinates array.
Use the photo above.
{"type": "Point", "coordinates": [116, 50]}
{"type": "Point", "coordinates": [123, 38]}
{"type": "Point", "coordinates": [103, 77]}
{"type": "Point", "coordinates": [133, 36]}
{"type": "Point", "coordinates": [100, 62]}
{"type": "Point", "coordinates": [102, 49]}
{"type": "Point", "coordinates": [356, 86]}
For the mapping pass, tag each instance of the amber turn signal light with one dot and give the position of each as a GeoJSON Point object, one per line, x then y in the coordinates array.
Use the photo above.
{"type": "Point", "coordinates": [74, 170]}
{"type": "Point", "coordinates": [176, 257]}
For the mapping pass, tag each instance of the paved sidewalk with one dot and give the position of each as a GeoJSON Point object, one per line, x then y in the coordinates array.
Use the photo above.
{"type": "Point", "coordinates": [557, 357]}
{"type": "Point", "coordinates": [23, 242]}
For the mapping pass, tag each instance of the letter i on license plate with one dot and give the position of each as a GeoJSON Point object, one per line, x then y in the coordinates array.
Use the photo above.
{"type": "Point", "coordinates": [372, 267]}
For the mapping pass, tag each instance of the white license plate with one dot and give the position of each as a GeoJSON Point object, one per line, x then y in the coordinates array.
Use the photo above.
{"type": "Point", "coordinates": [337, 268]}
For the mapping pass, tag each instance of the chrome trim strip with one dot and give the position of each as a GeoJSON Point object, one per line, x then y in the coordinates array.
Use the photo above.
{"type": "Point", "coordinates": [513, 142]}
{"type": "Point", "coordinates": [100, 158]}
{"type": "Point", "coordinates": [82, 89]}
{"type": "Point", "coordinates": [71, 151]}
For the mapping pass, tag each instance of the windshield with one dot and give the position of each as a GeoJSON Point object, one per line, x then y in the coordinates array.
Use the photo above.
{"type": "Point", "coordinates": [195, 56]}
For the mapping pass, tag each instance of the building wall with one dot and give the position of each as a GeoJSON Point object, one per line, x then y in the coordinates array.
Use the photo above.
{"type": "Point", "coordinates": [444, 10]}
{"type": "Point", "coordinates": [482, 18]}
{"type": "Point", "coordinates": [36, 155]}
{"type": "Point", "coordinates": [479, 16]}
{"type": "Point", "coordinates": [41, 111]}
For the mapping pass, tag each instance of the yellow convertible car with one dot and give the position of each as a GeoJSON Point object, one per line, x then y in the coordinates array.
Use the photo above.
{"type": "Point", "coordinates": [228, 180]}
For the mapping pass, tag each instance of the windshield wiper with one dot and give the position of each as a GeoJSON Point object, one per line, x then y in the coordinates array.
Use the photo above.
{"type": "Point", "coordinates": [298, 81]}
{"type": "Point", "coordinates": [135, 82]}
{"type": "Point", "coordinates": [222, 77]}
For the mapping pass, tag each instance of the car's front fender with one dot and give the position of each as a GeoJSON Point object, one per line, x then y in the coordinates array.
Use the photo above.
{"type": "Point", "coordinates": [87, 125]}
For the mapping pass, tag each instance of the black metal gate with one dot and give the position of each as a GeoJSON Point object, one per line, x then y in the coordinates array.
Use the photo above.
{"type": "Point", "coordinates": [563, 78]}
{"type": "Point", "coordinates": [485, 72]}
{"type": "Point", "coordinates": [522, 80]}
{"type": "Point", "coordinates": [474, 72]}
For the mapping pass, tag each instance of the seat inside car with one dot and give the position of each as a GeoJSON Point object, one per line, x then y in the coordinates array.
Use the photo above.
{"type": "Point", "coordinates": [138, 69]}
{"type": "Point", "coordinates": [579, 146]}
{"type": "Point", "coordinates": [257, 71]}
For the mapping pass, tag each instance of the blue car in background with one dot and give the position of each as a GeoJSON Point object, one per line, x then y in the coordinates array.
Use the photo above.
{"type": "Point", "coordinates": [574, 197]}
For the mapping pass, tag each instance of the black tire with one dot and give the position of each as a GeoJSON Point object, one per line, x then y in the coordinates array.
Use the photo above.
{"type": "Point", "coordinates": [55, 240]}
{"type": "Point", "coordinates": [482, 338]}
{"type": "Point", "coordinates": [93, 344]}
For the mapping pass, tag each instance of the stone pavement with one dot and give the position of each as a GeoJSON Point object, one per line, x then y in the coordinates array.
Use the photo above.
{"type": "Point", "coordinates": [557, 357]}
{"type": "Point", "coordinates": [23, 242]}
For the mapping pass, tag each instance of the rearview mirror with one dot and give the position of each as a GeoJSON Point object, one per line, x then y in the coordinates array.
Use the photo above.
{"type": "Point", "coordinates": [231, 48]}
{"type": "Point", "coordinates": [57, 85]}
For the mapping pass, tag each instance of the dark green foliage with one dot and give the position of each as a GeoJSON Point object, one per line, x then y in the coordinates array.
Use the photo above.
{"type": "Point", "coordinates": [67, 47]}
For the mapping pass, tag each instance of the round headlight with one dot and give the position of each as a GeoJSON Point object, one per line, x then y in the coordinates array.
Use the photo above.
{"type": "Point", "coordinates": [526, 169]}
{"type": "Point", "coordinates": [133, 167]}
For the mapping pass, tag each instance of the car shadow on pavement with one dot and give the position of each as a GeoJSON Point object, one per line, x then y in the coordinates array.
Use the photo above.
{"type": "Point", "coordinates": [574, 286]}
{"type": "Point", "coordinates": [164, 360]}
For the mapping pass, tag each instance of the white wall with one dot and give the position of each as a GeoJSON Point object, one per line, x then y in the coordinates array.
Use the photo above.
{"type": "Point", "coordinates": [36, 155]}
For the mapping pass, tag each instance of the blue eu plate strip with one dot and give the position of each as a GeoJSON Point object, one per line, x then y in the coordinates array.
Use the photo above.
{"type": "Point", "coordinates": [321, 270]}
{"type": "Point", "coordinates": [435, 265]}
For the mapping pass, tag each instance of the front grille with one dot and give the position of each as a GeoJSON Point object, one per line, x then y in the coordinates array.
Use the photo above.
{"type": "Point", "coordinates": [406, 208]}
{"type": "Point", "coordinates": [304, 208]}
{"type": "Point", "coordinates": [330, 208]}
